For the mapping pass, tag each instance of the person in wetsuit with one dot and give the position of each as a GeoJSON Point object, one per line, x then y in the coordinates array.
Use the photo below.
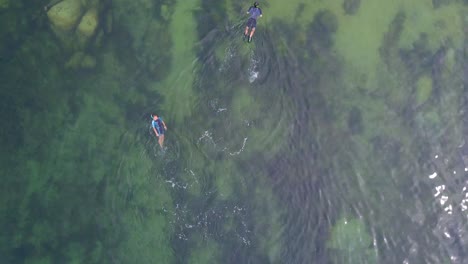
{"type": "Point", "coordinates": [159, 128]}
{"type": "Point", "coordinates": [254, 12]}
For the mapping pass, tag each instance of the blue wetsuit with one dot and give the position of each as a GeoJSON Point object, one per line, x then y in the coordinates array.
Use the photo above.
{"type": "Point", "coordinates": [254, 12]}
{"type": "Point", "coordinates": [158, 125]}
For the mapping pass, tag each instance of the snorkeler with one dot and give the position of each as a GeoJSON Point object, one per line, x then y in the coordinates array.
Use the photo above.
{"type": "Point", "coordinates": [159, 127]}
{"type": "Point", "coordinates": [254, 12]}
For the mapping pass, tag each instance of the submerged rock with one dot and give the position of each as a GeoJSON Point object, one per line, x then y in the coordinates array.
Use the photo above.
{"type": "Point", "coordinates": [76, 23]}
{"type": "Point", "coordinates": [75, 60]}
{"type": "Point", "coordinates": [88, 62]}
{"type": "Point", "coordinates": [351, 6]}
{"type": "Point", "coordinates": [81, 60]}
{"type": "Point", "coordinates": [65, 15]}
{"type": "Point", "coordinates": [165, 12]}
{"type": "Point", "coordinates": [88, 23]}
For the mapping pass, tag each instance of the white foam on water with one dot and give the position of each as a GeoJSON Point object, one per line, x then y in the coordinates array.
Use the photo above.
{"type": "Point", "coordinates": [448, 209]}
{"type": "Point", "coordinates": [242, 149]}
{"type": "Point", "coordinates": [253, 70]}
{"type": "Point", "coordinates": [208, 136]}
{"type": "Point", "coordinates": [443, 199]}
{"type": "Point", "coordinates": [253, 76]}
{"type": "Point", "coordinates": [439, 190]}
{"type": "Point", "coordinates": [452, 197]}
{"type": "Point", "coordinates": [463, 205]}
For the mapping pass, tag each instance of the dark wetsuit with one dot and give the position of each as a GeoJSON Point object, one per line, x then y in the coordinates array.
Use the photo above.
{"type": "Point", "coordinates": [158, 125]}
{"type": "Point", "coordinates": [254, 12]}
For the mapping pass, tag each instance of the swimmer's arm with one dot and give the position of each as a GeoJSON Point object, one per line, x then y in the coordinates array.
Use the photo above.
{"type": "Point", "coordinates": [165, 127]}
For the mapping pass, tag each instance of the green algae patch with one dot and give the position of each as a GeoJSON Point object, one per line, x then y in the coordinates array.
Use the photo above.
{"type": "Point", "coordinates": [39, 260]}
{"type": "Point", "coordinates": [296, 10]}
{"type": "Point", "coordinates": [270, 135]}
{"type": "Point", "coordinates": [268, 220]}
{"type": "Point", "coordinates": [144, 236]}
{"type": "Point", "coordinates": [177, 88]}
{"type": "Point", "coordinates": [265, 126]}
{"type": "Point", "coordinates": [351, 6]}
{"type": "Point", "coordinates": [359, 38]}
{"type": "Point", "coordinates": [222, 51]}
{"type": "Point", "coordinates": [140, 221]}
{"type": "Point", "coordinates": [226, 179]}
{"type": "Point", "coordinates": [232, 10]}
{"type": "Point", "coordinates": [205, 251]}
{"type": "Point", "coordinates": [90, 176]}
{"type": "Point", "coordinates": [86, 170]}
{"type": "Point", "coordinates": [350, 242]}
{"type": "Point", "coordinates": [243, 104]}
{"type": "Point", "coordinates": [450, 60]}
{"type": "Point", "coordinates": [134, 17]}
{"type": "Point", "coordinates": [423, 89]}
{"type": "Point", "coordinates": [4, 4]}
{"type": "Point", "coordinates": [441, 26]}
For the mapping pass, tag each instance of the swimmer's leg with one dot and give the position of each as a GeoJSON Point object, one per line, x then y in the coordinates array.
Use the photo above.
{"type": "Point", "coordinates": [161, 140]}
{"type": "Point", "coordinates": [246, 32]}
{"type": "Point", "coordinates": [251, 34]}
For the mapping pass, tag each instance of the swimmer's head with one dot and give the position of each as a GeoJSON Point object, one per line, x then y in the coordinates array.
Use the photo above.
{"type": "Point", "coordinates": [256, 4]}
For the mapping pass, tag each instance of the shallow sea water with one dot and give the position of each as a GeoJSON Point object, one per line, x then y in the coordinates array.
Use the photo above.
{"type": "Point", "coordinates": [337, 136]}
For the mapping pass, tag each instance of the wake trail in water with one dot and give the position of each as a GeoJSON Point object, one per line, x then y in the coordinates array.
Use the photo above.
{"type": "Point", "coordinates": [197, 206]}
